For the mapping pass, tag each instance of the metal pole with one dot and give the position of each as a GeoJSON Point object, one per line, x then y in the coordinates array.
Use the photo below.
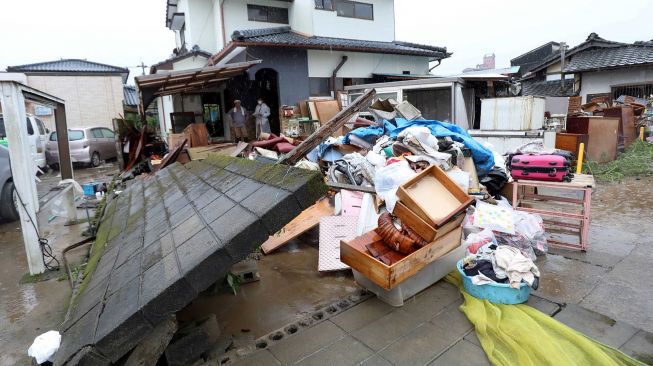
{"type": "Point", "coordinates": [23, 171]}
{"type": "Point", "coordinates": [65, 165]}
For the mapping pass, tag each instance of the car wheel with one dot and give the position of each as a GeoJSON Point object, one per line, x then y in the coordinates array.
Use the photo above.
{"type": "Point", "coordinates": [8, 202]}
{"type": "Point", "coordinates": [95, 160]}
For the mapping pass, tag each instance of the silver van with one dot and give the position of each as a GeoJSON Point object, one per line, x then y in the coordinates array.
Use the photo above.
{"type": "Point", "coordinates": [88, 145]}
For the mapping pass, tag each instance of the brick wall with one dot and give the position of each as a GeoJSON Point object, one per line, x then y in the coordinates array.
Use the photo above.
{"type": "Point", "coordinates": [90, 100]}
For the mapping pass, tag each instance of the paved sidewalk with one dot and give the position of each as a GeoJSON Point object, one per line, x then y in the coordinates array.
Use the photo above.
{"type": "Point", "coordinates": [428, 330]}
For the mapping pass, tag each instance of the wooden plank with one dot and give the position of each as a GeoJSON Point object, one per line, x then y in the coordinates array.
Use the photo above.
{"type": "Point", "coordinates": [421, 227]}
{"type": "Point", "coordinates": [328, 128]}
{"type": "Point", "coordinates": [326, 109]}
{"type": "Point", "coordinates": [355, 254]}
{"type": "Point", "coordinates": [172, 156]}
{"type": "Point", "coordinates": [423, 208]}
{"type": "Point", "coordinates": [306, 220]}
{"type": "Point", "coordinates": [351, 187]}
{"type": "Point", "coordinates": [239, 149]}
{"type": "Point", "coordinates": [312, 110]}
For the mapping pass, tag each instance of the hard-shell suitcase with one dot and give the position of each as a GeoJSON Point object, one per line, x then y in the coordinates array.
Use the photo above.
{"type": "Point", "coordinates": [540, 167]}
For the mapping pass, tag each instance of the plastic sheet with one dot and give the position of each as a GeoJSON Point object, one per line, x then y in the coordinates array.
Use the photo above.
{"type": "Point", "coordinates": [519, 335]}
{"type": "Point", "coordinates": [483, 158]}
{"type": "Point", "coordinates": [45, 346]}
{"type": "Point", "coordinates": [389, 178]}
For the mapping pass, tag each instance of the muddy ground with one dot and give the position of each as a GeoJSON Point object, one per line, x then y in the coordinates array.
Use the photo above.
{"type": "Point", "coordinates": [612, 278]}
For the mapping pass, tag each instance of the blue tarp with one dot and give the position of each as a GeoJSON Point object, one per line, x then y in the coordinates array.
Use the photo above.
{"type": "Point", "coordinates": [483, 158]}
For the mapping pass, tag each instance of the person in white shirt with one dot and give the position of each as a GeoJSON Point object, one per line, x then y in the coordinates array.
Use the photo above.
{"type": "Point", "coordinates": [239, 117]}
{"type": "Point", "coordinates": [262, 112]}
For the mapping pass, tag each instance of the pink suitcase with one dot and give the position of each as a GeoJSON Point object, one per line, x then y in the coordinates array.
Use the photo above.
{"type": "Point", "coordinates": [540, 167]}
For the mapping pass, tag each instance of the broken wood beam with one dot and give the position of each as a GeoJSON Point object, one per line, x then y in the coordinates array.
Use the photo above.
{"type": "Point", "coordinates": [328, 129]}
{"type": "Point", "coordinates": [306, 220]}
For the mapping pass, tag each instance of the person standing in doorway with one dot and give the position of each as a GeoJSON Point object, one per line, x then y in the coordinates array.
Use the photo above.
{"type": "Point", "coordinates": [262, 112]}
{"type": "Point", "coordinates": [238, 115]}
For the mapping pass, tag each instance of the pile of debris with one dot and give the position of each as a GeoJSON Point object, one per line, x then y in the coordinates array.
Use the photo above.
{"type": "Point", "coordinates": [409, 199]}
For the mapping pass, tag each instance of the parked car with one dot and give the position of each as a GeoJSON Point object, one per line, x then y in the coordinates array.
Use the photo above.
{"type": "Point", "coordinates": [8, 208]}
{"type": "Point", "coordinates": [37, 135]}
{"type": "Point", "coordinates": [88, 145]}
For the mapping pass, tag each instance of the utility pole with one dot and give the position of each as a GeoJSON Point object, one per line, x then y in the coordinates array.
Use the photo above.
{"type": "Point", "coordinates": [563, 51]}
{"type": "Point", "coordinates": [142, 66]}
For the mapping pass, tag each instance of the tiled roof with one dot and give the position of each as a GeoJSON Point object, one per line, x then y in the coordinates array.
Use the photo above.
{"type": "Point", "coordinates": [630, 55]}
{"type": "Point", "coordinates": [68, 65]}
{"type": "Point", "coordinates": [129, 95]}
{"type": "Point", "coordinates": [168, 237]}
{"type": "Point", "coordinates": [167, 64]}
{"type": "Point", "coordinates": [548, 88]}
{"type": "Point", "coordinates": [285, 36]}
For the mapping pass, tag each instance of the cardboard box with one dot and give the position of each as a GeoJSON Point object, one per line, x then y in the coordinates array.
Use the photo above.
{"type": "Point", "coordinates": [434, 197]}
{"type": "Point", "coordinates": [421, 227]}
{"type": "Point", "coordinates": [354, 254]}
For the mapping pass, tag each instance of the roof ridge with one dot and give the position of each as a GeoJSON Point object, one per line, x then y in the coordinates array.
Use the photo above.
{"type": "Point", "coordinates": [63, 60]}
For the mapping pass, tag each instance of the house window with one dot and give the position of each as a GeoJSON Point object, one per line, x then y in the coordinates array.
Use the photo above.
{"type": "Point", "coordinates": [643, 91]}
{"type": "Point", "coordinates": [319, 87]}
{"type": "Point", "coordinates": [324, 4]}
{"type": "Point", "coordinates": [354, 9]}
{"type": "Point", "coordinates": [268, 14]}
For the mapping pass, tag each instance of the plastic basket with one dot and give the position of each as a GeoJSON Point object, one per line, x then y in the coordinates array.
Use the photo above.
{"type": "Point", "coordinates": [89, 189]}
{"type": "Point", "coordinates": [497, 293]}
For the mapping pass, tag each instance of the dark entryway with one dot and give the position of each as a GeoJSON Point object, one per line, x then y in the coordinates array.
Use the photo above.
{"type": "Point", "coordinates": [267, 87]}
{"type": "Point", "coordinates": [212, 112]}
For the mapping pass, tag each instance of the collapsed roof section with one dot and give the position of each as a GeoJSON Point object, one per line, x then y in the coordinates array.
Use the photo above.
{"type": "Point", "coordinates": [168, 237]}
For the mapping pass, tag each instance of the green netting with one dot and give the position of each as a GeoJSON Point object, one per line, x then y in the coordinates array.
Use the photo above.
{"type": "Point", "coordinates": [523, 336]}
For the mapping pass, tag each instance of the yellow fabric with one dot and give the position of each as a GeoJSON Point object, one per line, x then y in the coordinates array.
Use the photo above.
{"type": "Point", "coordinates": [523, 336]}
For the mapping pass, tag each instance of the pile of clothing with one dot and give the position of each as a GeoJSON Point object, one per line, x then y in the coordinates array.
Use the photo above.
{"type": "Point", "coordinates": [501, 264]}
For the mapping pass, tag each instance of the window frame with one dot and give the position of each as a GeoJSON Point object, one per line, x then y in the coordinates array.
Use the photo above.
{"type": "Point", "coordinates": [354, 3]}
{"type": "Point", "coordinates": [98, 130]}
{"type": "Point", "coordinates": [322, 79]}
{"type": "Point", "coordinates": [323, 7]}
{"type": "Point", "coordinates": [267, 15]}
{"type": "Point", "coordinates": [104, 130]}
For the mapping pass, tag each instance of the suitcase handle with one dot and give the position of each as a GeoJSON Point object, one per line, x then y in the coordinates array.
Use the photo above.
{"type": "Point", "coordinates": [552, 163]}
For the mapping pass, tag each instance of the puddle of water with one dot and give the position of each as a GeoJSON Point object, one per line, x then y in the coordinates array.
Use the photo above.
{"type": "Point", "coordinates": [290, 288]}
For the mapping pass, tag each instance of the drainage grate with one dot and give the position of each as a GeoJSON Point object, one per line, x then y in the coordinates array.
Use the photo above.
{"type": "Point", "coordinates": [297, 327]}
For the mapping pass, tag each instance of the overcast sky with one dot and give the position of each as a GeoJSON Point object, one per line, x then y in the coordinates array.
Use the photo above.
{"type": "Point", "coordinates": [126, 32]}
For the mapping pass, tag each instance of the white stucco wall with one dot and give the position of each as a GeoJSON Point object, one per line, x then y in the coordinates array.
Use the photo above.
{"type": "Point", "coordinates": [363, 65]}
{"type": "Point", "coordinates": [301, 16]}
{"type": "Point", "coordinates": [602, 81]}
{"type": "Point", "coordinates": [164, 107]}
{"type": "Point", "coordinates": [382, 28]}
{"type": "Point", "coordinates": [190, 63]}
{"type": "Point", "coordinates": [90, 100]}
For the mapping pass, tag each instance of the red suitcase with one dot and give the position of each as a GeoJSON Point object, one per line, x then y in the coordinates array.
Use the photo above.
{"type": "Point", "coordinates": [540, 167]}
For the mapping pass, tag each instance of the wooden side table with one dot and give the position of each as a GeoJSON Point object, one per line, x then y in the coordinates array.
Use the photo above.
{"type": "Point", "coordinates": [583, 183]}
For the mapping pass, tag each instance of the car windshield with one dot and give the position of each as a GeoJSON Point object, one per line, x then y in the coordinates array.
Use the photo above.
{"type": "Point", "coordinates": [73, 135]}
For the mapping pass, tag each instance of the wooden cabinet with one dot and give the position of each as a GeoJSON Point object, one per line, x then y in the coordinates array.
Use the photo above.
{"type": "Point", "coordinates": [626, 115]}
{"type": "Point", "coordinates": [571, 141]}
{"type": "Point", "coordinates": [603, 135]}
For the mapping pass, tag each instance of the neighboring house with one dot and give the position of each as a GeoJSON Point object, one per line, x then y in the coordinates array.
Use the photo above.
{"type": "Point", "coordinates": [534, 57]}
{"type": "Point", "coordinates": [308, 48]}
{"type": "Point", "coordinates": [130, 99]}
{"type": "Point", "coordinates": [93, 91]}
{"type": "Point", "coordinates": [594, 68]}
{"type": "Point", "coordinates": [488, 64]}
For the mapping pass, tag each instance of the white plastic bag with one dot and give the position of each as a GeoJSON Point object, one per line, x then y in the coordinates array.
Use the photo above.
{"type": "Point", "coordinates": [45, 346]}
{"type": "Point", "coordinates": [460, 177]}
{"type": "Point", "coordinates": [389, 178]}
{"type": "Point", "coordinates": [474, 241]}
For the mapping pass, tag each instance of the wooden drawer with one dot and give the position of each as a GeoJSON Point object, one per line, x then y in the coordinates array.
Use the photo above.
{"type": "Point", "coordinates": [354, 254]}
{"type": "Point", "coordinates": [421, 227]}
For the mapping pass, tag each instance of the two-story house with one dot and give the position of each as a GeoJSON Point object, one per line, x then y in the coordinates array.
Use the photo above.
{"type": "Point", "coordinates": [308, 48]}
{"type": "Point", "coordinates": [594, 68]}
